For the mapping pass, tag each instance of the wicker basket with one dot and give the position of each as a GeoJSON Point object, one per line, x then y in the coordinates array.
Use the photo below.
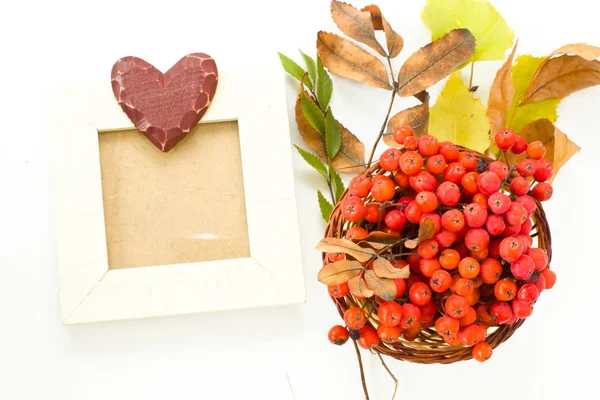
{"type": "Point", "coordinates": [429, 347]}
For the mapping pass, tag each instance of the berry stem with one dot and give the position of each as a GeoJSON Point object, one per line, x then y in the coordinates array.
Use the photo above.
{"type": "Point", "coordinates": [362, 371]}
{"type": "Point", "coordinates": [390, 373]}
{"type": "Point", "coordinates": [471, 77]}
{"type": "Point", "coordinates": [506, 159]}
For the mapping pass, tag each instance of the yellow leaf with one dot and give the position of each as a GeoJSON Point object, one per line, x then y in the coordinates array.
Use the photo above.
{"type": "Point", "coordinates": [459, 117]}
{"type": "Point", "coordinates": [493, 36]}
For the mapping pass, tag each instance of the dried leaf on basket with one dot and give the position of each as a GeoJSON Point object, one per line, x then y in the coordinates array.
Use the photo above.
{"type": "Point", "coordinates": [334, 245]}
{"type": "Point", "coordinates": [339, 272]}
{"type": "Point", "coordinates": [385, 269]}
{"type": "Point", "coordinates": [394, 41]}
{"type": "Point", "coordinates": [417, 117]}
{"type": "Point", "coordinates": [434, 62]}
{"type": "Point", "coordinates": [380, 239]}
{"type": "Point", "coordinates": [426, 229]}
{"type": "Point", "coordinates": [382, 287]}
{"type": "Point", "coordinates": [358, 287]}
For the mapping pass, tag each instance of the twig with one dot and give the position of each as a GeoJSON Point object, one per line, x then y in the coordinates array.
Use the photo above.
{"type": "Point", "coordinates": [290, 385]}
{"type": "Point", "coordinates": [471, 77]}
{"type": "Point", "coordinates": [333, 199]}
{"type": "Point", "coordinates": [506, 160]}
{"type": "Point", "coordinates": [362, 371]}
{"type": "Point", "coordinates": [391, 375]}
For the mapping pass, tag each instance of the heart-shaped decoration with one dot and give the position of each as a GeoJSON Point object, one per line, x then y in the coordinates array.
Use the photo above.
{"type": "Point", "coordinates": [165, 107]}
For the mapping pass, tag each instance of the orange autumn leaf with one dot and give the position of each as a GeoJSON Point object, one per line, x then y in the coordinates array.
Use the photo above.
{"type": "Point", "coordinates": [356, 24]}
{"type": "Point", "coordinates": [417, 117]}
{"type": "Point", "coordinates": [502, 92]}
{"type": "Point", "coordinates": [394, 41]}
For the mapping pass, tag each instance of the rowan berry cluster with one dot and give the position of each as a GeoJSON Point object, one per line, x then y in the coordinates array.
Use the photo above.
{"type": "Point", "coordinates": [479, 268]}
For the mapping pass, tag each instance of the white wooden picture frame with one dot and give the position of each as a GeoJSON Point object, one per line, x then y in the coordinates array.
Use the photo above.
{"type": "Point", "coordinates": [272, 275]}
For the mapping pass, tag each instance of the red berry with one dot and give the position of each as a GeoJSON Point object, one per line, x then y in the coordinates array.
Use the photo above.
{"type": "Point", "coordinates": [356, 232]}
{"type": "Point", "coordinates": [333, 257]}
{"type": "Point", "coordinates": [368, 337]}
{"type": "Point", "coordinates": [523, 267]}
{"type": "Point", "coordinates": [526, 167]}
{"type": "Point", "coordinates": [338, 291]}
{"type": "Point", "coordinates": [403, 202]}
{"type": "Point", "coordinates": [495, 225]}
{"type": "Point", "coordinates": [419, 294]}
{"type": "Point", "coordinates": [389, 334]}
{"type": "Point", "coordinates": [449, 150]}
{"type": "Point", "coordinates": [400, 287]}
{"type": "Point", "coordinates": [516, 214]}
{"type": "Point", "coordinates": [499, 168]}
{"type": "Point", "coordinates": [528, 202]}
{"type": "Point", "coordinates": [468, 267]}
{"type": "Point", "coordinates": [338, 335]}
{"type": "Point", "coordinates": [542, 191]}
{"type": "Point", "coordinates": [440, 281]}
{"type": "Point", "coordinates": [519, 186]}
{"type": "Point", "coordinates": [511, 249]}
{"type": "Point", "coordinates": [528, 293]}
{"type": "Point", "coordinates": [413, 213]}
{"type": "Point", "coordinates": [539, 257]}
{"type": "Point", "coordinates": [490, 271]}
{"type": "Point", "coordinates": [463, 286]}
{"type": "Point", "coordinates": [423, 181]}
{"type": "Point", "coordinates": [469, 182]}
{"type": "Point", "coordinates": [454, 172]}
{"type": "Point", "coordinates": [374, 213]}
{"type": "Point", "coordinates": [469, 318]}
{"type": "Point", "coordinates": [469, 335]}
{"type": "Point", "coordinates": [428, 248]}
{"type": "Point", "coordinates": [526, 227]}
{"type": "Point", "coordinates": [520, 145]}
{"type": "Point", "coordinates": [488, 183]}
{"type": "Point", "coordinates": [353, 208]}
{"type": "Point", "coordinates": [383, 188]}
{"type": "Point", "coordinates": [448, 193]}
{"type": "Point", "coordinates": [401, 179]}
{"type": "Point", "coordinates": [355, 318]}
{"type": "Point", "coordinates": [402, 132]}
{"type": "Point", "coordinates": [411, 315]}
{"type": "Point", "coordinates": [536, 150]}
{"type": "Point", "coordinates": [395, 220]}
{"type": "Point", "coordinates": [456, 306]}
{"type": "Point", "coordinates": [410, 143]}
{"type": "Point", "coordinates": [360, 186]}
{"type": "Point", "coordinates": [543, 170]}
{"type": "Point", "coordinates": [477, 239]}
{"type": "Point", "coordinates": [445, 238]}
{"type": "Point", "coordinates": [428, 145]}
{"type": "Point", "coordinates": [449, 259]}
{"type": "Point", "coordinates": [411, 162]}
{"type": "Point", "coordinates": [428, 266]}
{"type": "Point", "coordinates": [390, 313]}
{"type": "Point", "coordinates": [499, 203]}
{"type": "Point", "coordinates": [505, 139]}
{"type": "Point", "coordinates": [550, 278]}
{"type": "Point", "coordinates": [426, 201]}
{"type": "Point", "coordinates": [447, 326]}
{"type": "Point", "coordinates": [436, 164]}
{"type": "Point", "coordinates": [453, 220]}
{"type": "Point", "coordinates": [475, 215]}
{"type": "Point", "coordinates": [468, 160]}
{"type": "Point", "coordinates": [520, 309]}
{"type": "Point", "coordinates": [482, 351]}
{"type": "Point", "coordinates": [390, 159]}
{"type": "Point", "coordinates": [501, 312]}
{"type": "Point", "coordinates": [505, 289]}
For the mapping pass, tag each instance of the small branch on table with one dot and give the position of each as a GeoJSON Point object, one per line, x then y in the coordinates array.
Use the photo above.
{"type": "Point", "coordinates": [362, 372]}
{"type": "Point", "coordinates": [391, 375]}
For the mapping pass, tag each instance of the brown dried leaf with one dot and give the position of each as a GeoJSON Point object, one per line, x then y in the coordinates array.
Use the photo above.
{"type": "Point", "coordinates": [385, 269]}
{"type": "Point", "coordinates": [339, 272]}
{"type": "Point", "coordinates": [351, 156]}
{"type": "Point", "coordinates": [435, 61]}
{"type": "Point", "coordinates": [394, 41]}
{"type": "Point", "coordinates": [559, 148]}
{"type": "Point", "coordinates": [579, 49]}
{"type": "Point", "coordinates": [501, 95]}
{"type": "Point", "coordinates": [356, 24]}
{"type": "Point", "coordinates": [560, 76]}
{"type": "Point", "coordinates": [417, 117]}
{"type": "Point", "coordinates": [411, 243]}
{"type": "Point", "coordinates": [426, 229]}
{"type": "Point", "coordinates": [334, 245]}
{"type": "Point", "coordinates": [381, 238]}
{"type": "Point", "coordinates": [383, 287]}
{"type": "Point", "coordinates": [358, 287]}
{"type": "Point", "coordinates": [346, 59]}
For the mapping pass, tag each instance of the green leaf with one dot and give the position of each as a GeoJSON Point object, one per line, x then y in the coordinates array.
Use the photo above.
{"type": "Point", "coordinates": [313, 114]}
{"type": "Point", "coordinates": [324, 85]}
{"type": "Point", "coordinates": [519, 116]}
{"type": "Point", "coordinates": [314, 161]}
{"type": "Point", "coordinates": [493, 36]}
{"type": "Point", "coordinates": [325, 206]}
{"type": "Point", "coordinates": [459, 117]}
{"type": "Point", "coordinates": [333, 136]}
{"type": "Point", "coordinates": [338, 184]}
{"type": "Point", "coordinates": [310, 66]}
{"type": "Point", "coordinates": [292, 68]}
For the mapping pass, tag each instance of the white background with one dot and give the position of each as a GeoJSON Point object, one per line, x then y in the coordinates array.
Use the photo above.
{"type": "Point", "coordinates": [247, 354]}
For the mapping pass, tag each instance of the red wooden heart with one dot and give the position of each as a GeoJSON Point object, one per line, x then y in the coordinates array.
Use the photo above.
{"type": "Point", "coordinates": [165, 107]}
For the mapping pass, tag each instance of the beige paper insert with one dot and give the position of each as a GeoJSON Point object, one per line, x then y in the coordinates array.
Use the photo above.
{"type": "Point", "coordinates": [183, 206]}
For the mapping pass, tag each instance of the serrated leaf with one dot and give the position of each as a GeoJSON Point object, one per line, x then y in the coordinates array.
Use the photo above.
{"type": "Point", "coordinates": [345, 59]}
{"type": "Point", "coordinates": [459, 117]}
{"type": "Point", "coordinates": [385, 269]}
{"type": "Point", "coordinates": [434, 62]}
{"type": "Point", "coordinates": [292, 68]}
{"type": "Point", "coordinates": [333, 136]}
{"type": "Point", "coordinates": [359, 288]}
{"type": "Point", "coordinates": [518, 116]}
{"type": "Point", "coordinates": [351, 156]}
{"type": "Point", "coordinates": [502, 92]}
{"type": "Point", "coordinates": [338, 184]}
{"type": "Point", "coordinates": [311, 67]}
{"type": "Point", "coordinates": [314, 161]}
{"type": "Point", "coordinates": [339, 272]}
{"type": "Point", "coordinates": [324, 85]}
{"type": "Point", "coordinates": [492, 33]}
{"type": "Point", "coordinates": [560, 76]}
{"type": "Point", "coordinates": [334, 245]}
{"type": "Point", "coordinates": [417, 117]}
{"type": "Point", "coordinates": [426, 229]}
{"type": "Point", "coordinates": [313, 113]}
{"type": "Point", "coordinates": [382, 287]}
{"type": "Point", "coordinates": [325, 206]}
{"type": "Point", "coordinates": [356, 24]}
{"type": "Point", "coordinates": [394, 41]}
